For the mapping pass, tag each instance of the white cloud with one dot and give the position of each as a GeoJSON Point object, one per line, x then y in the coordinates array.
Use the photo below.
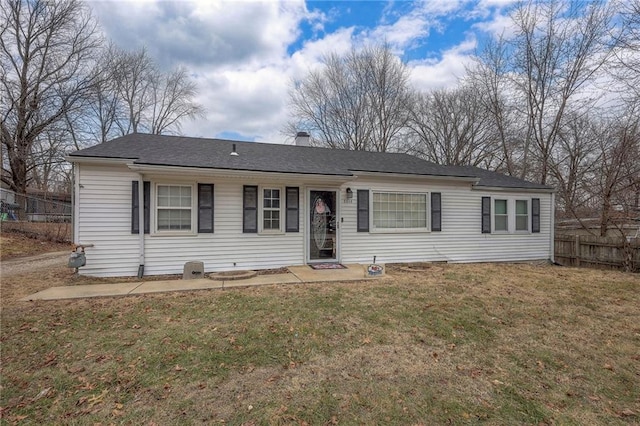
{"type": "Point", "coordinates": [244, 54]}
{"type": "Point", "coordinates": [432, 74]}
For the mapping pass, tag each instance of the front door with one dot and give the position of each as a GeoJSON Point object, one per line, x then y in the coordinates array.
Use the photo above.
{"type": "Point", "coordinates": [322, 235]}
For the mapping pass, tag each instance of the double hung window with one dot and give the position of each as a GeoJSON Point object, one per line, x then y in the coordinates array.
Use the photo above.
{"type": "Point", "coordinates": [174, 208]}
{"type": "Point", "coordinates": [268, 209]}
{"type": "Point", "coordinates": [271, 209]}
{"type": "Point", "coordinates": [510, 215]}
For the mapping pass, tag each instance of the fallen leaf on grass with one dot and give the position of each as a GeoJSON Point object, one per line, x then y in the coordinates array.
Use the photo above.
{"type": "Point", "coordinates": [50, 359]}
{"type": "Point", "coordinates": [97, 399]}
{"type": "Point", "coordinates": [627, 413]}
{"type": "Point", "coordinates": [44, 392]}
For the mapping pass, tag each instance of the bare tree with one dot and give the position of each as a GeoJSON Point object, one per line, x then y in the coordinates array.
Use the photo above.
{"type": "Point", "coordinates": [616, 183]}
{"type": "Point", "coordinates": [558, 49]}
{"type": "Point", "coordinates": [452, 127]}
{"type": "Point", "coordinates": [574, 162]}
{"type": "Point", "coordinates": [358, 101]}
{"type": "Point", "coordinates": [172, 101]}
{"type": "Point", "coordinates": [134, 74]}
{"type": "Point", "coordinates": [490, 75]}
{"type": "Point", "coordinates": [134, 95]}
{"type": "Point", "coordinates": [46, 52]}
{"type": "Point", "coordinates": [545, 69]}
{"type": "Point", "coordinates": [627, 69]}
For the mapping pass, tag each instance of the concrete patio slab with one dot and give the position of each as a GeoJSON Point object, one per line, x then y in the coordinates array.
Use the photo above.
{"type": "Point", "coordinates": [83, 291]}
{"type": "Point", "coordinates": [176, 285]}
{"type": "Point", "coordinates": [309, 275]}
{"type": "Point", "coordinates": [297, 274]}
{"type": "Point", "coordinates": [263, 280]}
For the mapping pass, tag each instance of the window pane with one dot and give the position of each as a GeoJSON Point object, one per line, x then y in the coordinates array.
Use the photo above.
{"type": "Point", "coordinates": [522, 223]}
{"type": "Point", "coordinates": [500, 207]}
{"type": "Point", "coordinates": [399, 210]}
{"type": "Point", "coordinates": [521, 207]}
{"type": "Point", "coordinates": [501, 223]}
{"type": "Point", "coordinates": [250, 220]}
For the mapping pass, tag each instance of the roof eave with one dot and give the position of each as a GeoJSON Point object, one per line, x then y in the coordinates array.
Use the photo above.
{"type": "Point", "coordinates": [235, 173]}
{"type": "Point", "coordinates": [547, 189]}
{"type": "Point", "coordinates": [470, 179]}
{"type": "Point", "coordinates": [96, 160]}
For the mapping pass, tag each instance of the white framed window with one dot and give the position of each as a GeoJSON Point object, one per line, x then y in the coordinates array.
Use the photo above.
{"type": "Point", "coordinates": [522, 215]}
{"type": "Point", "coordinates": [400, 211]}
{"type": "Point", "coordinates": [511, 215]}
{"type": "Point", "coordinates": [174, 208]}
{"type": "Point", "coordinates": [271, 211]}
{"type": "Point", "coordinates": [501, 215]}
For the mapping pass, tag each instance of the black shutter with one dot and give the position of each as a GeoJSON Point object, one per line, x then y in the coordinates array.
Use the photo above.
{"type": "Point", "coordinates": [535, 215]}
{"type": "Point", "coordinates": [293, 209]}
{"type": "Point", "coordinates": [147, 206]}
{"type": "Point", "coordinates": [363, 210]}
{"type": "Point", "coordinates": [486, 215]}
{"type": "Point", "coordinates": [436, 212]}
{"type": "Point", "coordinates": [135, 207]}
{"type": "Point", "coordinates": [250, 209]}
{"type": "Point", "coordinates": [205, 208]}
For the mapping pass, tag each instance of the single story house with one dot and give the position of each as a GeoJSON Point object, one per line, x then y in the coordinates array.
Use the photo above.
{"type": "Point", "coordinates": [150, 203]}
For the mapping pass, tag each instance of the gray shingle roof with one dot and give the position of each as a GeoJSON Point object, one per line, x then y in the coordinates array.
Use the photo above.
{"type": "Point", "coordinates": [264, 157]}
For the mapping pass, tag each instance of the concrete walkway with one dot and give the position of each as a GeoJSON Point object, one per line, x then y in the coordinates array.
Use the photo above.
{"type": "Point", "coordinates": [297, 274]}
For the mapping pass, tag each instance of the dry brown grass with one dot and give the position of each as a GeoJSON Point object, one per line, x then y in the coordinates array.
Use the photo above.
{"type": "Point", "coordinates": [15, 244]}
{"type": "Point", "coordinates": [460, 344]}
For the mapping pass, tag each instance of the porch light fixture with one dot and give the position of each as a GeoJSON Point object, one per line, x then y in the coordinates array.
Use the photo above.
{"type": "Point", "coordinates": [349, 194]}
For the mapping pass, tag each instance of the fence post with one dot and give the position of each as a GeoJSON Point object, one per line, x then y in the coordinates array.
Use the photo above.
{"type": "Point", "coordinates": [577, 250]}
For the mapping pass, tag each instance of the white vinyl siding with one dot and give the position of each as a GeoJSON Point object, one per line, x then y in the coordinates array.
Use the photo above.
{"type": "Point", "coordinates": [103, 203]}
{"type": "Point", "coordinates": [460, 240]}
{"type": "Point", "coordinates": [105, 220]}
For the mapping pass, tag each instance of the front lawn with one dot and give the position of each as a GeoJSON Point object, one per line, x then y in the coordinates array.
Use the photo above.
{"type": "Point", "coordinates": [461, 344]}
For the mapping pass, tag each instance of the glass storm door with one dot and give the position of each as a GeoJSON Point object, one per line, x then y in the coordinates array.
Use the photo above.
{"type": "Point", "coordinates": [322, 226]}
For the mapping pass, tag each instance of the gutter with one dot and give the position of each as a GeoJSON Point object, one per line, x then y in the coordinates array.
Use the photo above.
{"type": "Point", "coordinates": [470, 179]}
{"type": "Point", "coordinates": [513, 189]}
{"type": "Point", "coordinates": [234, 174]}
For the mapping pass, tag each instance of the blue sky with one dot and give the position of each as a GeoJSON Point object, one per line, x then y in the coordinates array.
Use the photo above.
{"type": "Point", "coordinates": [244, 54]}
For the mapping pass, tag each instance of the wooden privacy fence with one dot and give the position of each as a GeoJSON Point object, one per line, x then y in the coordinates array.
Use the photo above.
{"type": "Point", "coordinates": [598, 252]}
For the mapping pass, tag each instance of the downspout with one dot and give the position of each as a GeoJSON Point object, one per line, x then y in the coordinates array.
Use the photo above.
{"type": "Point", "coordinates": [141, 224]}
{"type": "Point", "coordinates": [75, 203]}
{"type": "Point", "coordinates": [552, 231]}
